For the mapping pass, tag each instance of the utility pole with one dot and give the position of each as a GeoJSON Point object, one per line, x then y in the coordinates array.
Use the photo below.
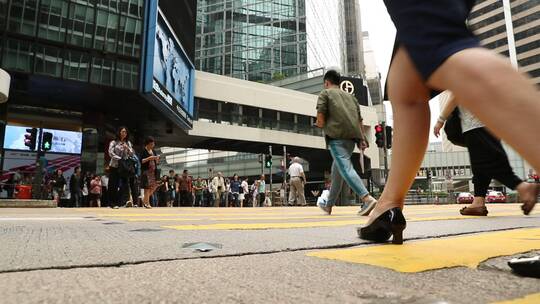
{"type": "Point", "coordinates": [284, 175]}
{"type": "Point", "coordinates": [271, 192]}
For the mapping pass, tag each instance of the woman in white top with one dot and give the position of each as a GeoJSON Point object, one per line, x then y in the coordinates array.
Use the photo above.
{"type": "Point", "coordinates": [120, 148]}
{"type": "Point", "coordinates": [488, 160]}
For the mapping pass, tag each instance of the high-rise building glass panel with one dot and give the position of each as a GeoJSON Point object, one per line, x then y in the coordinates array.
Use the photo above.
{"type": "Point", "coordinates": [96, 41]}
{"type": "Point", "coordinates": [254, 40]}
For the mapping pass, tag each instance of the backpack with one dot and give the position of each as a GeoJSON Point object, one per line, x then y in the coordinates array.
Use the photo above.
{"type": "Point", "coordinates": [452, 128]}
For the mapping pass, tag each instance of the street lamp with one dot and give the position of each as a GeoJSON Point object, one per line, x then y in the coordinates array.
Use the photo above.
{"type": "Point", "coordinates": [5, 81]}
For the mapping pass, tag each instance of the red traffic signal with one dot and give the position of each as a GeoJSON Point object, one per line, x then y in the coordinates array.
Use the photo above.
{"type": "Point", "coordinates": [30, 138]}
{"type": "Point", "coordinates": [379, 136]}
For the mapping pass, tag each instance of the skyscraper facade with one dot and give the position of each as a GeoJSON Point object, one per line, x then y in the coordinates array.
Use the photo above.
{"type": "Point", "coordinates": [255, 40]}
{"type": "Point", "coordinates": [352, 38]}
{"type": "Point", "coordinates": [511, 28]}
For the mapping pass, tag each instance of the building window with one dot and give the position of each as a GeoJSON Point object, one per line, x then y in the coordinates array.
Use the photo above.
{"type": "Point", "coordinates": [126, 75]}
{"type": "Point", "coordinates": [102, 71]}
{"type": "Point", "coordinates": [18, 56]}
{"type": "Point", "coordinates": [81, 25]}
{"type": "Point", "coordinates": [106, 31]}
{"type": "Point", "coordinates": [53, 19]}
{"type": "Point", "coordinates": [129, 38]}
{"type": "Point", "coordinates": [22, 17]}
{"type": "Point", "coordinates": [48, 61]}
{"type": "Point", "coordinates": [76, 66]}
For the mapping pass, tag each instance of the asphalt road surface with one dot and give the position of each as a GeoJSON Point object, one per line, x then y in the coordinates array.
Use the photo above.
{"type": "Point", "coordinates": [262, 255]}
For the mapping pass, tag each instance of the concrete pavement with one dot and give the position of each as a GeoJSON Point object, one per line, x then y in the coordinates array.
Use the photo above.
{"type": "Point", "coordinates": [270, 255]}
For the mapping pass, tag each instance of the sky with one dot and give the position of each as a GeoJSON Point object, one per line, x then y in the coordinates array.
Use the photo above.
{"type": "Point", "coordinates": [382, 32]}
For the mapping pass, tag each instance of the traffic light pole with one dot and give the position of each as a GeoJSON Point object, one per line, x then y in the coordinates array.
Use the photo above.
{"type": "Point", "coordinates": [385, 153]}
{"type": "Point", "coordinates": [38, 177]}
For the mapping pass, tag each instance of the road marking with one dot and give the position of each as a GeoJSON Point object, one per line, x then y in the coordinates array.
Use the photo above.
{"type": "Point", "coordinates": [259, 226]}
{"type": "Point", "coordinates": [530, 299]}
{"type": "Point", "coordinates": [243, 218]}
{"type": "Point", "coordinates": [9, 219]}
{"type": "Point", "coordinates": [416, 256]}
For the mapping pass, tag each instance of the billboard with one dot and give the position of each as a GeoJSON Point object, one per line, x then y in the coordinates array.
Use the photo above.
{"type": "Point", "coordinates": [355, 86]}
{"type": "Point", "coordinates": [168, 75]}
{"type": "Point", "coordinates": [63, 141]}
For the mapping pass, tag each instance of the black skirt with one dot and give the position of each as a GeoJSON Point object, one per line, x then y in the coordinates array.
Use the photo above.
{"type": "Point", "coordinates": [431, 30]}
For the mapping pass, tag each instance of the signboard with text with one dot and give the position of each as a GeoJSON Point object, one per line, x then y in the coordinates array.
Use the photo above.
{"type": "Point", "coordinates": [168, 75]}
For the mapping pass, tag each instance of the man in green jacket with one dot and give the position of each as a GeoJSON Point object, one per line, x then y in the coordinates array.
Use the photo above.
{"type": "Point", "coordinates": [338, 114]}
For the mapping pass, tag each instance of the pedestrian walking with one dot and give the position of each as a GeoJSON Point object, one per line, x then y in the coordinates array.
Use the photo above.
{"type": "Point", "coordinates": [261, 190]}
{"type": "Point", "coordinates": [122, 169]}
{"type": "Point", "coordinates": [95, 192]}
{"type": "Point", "coordinates": [244, 191]}
{"type": "Point", "coordinates": [436, 51]}
{"type": "Point", "coordinates": [297, 181]}
{"type": "Point", "coordinates": [235, 190]}
{"type": "Point", "coordinates": [184, 185]}
{"type": "Point", "coordinates": [172, 188]}
{"type": "Point", "coordinates": [338, 114]}
{"type": "Point", "coordinates": [149, 168]}
{"type": "Point", "coordinates": [163, 191]}
{"type": "Point", "coordinates": [488, 159]}
{"type": "Point", "coordinates": [104, 189]}
{"type": "Point", "coordinates": [218, 187]}
{"type": "Point", "coordinates": [58, 184]}
{"type": "Point", "coordinates": [75, 187]}
{"type": "Point", "coordinates": [198, 189]}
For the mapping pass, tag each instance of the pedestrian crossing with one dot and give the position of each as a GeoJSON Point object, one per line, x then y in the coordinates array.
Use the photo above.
{"type": "Point", "coordinates": [431, 254]}
{"type": "Point", "coordinates": [285, 218]}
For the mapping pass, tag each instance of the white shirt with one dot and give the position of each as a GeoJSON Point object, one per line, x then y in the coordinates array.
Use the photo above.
{"type": "Point", "coordinates": [296, 170]}
{"type": "Point", "coordinates": [104, 181]}
{"type": "Point", "coordinates": [245, 186]}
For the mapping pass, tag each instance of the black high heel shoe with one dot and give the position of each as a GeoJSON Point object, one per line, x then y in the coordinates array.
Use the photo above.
{"type": "Point", "coordinates": [390, 223]}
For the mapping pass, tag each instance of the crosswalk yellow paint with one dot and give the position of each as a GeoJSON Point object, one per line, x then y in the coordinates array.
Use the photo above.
{"type": "Point", "coordinates": [417, 256]}
{"type": "Point", "coordinates": [266, 218]}
{"type": "Point", "coordinates": [259, 226]}
{"type": "Point", "coordinates": [530, 299]}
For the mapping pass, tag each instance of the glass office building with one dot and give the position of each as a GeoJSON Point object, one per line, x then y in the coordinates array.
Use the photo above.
{"type": "Point", "coordinates": [89, 41]}
{"type": "Point", "coordinates": [510, 28]}
{"type": "Point", "coordinates": [256, 40]}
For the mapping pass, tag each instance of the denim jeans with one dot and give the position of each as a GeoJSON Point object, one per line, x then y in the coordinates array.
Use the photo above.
{"type": "Point", "coordinates": [343, 170]}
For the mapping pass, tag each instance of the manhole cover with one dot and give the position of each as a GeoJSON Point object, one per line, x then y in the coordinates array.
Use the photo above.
{"type": "Point", "coordinates": [146, 230]}
{"type": "Point", "coordinates": [202, 246]}
{"type": "Point", "coordinates": [112, 223]}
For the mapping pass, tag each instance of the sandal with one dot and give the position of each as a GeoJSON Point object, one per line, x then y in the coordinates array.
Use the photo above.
{"type": "Point", "coordinates": [474, 211]}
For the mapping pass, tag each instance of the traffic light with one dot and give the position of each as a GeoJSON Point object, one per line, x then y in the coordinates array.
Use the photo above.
{"type": "Point", "coordinates": [379, 136]}
{"type": "Point", "coordinates": [30, 138]}
{"type": "Point", "coordinates": [46, 143]}
{"type": "Point", "coordinates": [388, 137]}
{"type": "Point", "coordinates": [267, 160]}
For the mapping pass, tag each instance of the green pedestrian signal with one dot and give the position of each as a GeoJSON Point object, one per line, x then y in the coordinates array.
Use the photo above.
{"type": "Point", "coordinates": [267, 160]}
{"type": "Point", "coordinates": [46, 144]}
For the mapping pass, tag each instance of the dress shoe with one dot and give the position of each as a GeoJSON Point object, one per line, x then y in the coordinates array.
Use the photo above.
{"type": "Point", "coordinates": [390, 223]}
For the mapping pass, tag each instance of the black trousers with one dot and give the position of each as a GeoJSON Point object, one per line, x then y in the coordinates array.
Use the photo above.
{"type": "Point", "coordinates": [262, 197]}
{"type": "Point", "coordinates": [488, 161]}
{"type": "Point", "coordinates": [119, 188]}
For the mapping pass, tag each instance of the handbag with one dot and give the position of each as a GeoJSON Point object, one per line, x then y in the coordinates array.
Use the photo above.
{"type": "Point", "coordinates": [452, 128]}
{"type": "Point", "coordinates": [126, 167]}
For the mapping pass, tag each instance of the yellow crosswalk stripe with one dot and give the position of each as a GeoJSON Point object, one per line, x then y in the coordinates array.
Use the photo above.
{"type": "Point", "coordinates": [258, 226]}
{"type": "Point", "coordinates": [530, 299]}
{"type": "Point", "coordinates": [417, 256]}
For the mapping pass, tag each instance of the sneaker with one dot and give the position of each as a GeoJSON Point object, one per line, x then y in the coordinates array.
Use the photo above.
{"type": "Point", "coordinates": [116, 207]}
{"type": "Point", "coordinates": [324, 207]}
{"type": "Point", "coordinates": [365, 210]}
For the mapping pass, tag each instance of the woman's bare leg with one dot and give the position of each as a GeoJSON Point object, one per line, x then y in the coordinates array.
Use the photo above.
{"type": "Point", "coordinates": [501, 97]}
{"type": "Point", "coordinates": [409, 97]}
